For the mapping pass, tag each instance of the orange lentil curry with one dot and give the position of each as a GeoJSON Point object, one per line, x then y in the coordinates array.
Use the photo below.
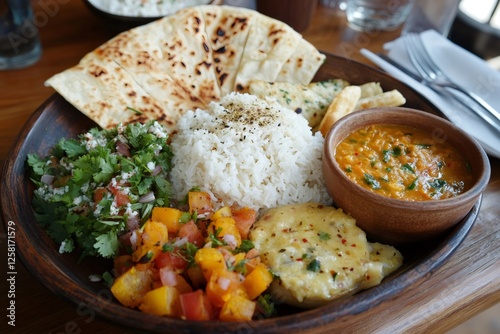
{"type": "Point", "coordinates": [403, 162]}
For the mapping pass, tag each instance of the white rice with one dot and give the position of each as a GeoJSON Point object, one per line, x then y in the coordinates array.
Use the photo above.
{"type": "Point", "coordinates": [249, 152]}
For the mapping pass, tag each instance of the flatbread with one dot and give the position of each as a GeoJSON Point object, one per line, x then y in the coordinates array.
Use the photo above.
{"type": "Point", "coordinates": [227, 29]}
{"type": "Point", "coordinates": [302, 64]}
{"type": "Point", "coordinates": [183, 62]}
{"type": "Point", "coordinates": [270, 44]}
{"type": "Point", "coordinates": [108, 94]}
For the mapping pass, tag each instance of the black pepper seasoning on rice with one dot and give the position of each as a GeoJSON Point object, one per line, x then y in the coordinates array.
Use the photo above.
{"type": "Point", "coordinates": [250, 152]}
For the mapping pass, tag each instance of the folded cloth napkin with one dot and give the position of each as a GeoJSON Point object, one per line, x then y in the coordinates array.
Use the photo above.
{"type": "Point", "coordinates": [461, 66]}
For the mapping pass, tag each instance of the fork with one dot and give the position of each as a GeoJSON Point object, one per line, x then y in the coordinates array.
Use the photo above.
{"type": "Point", "coordinates": [433, 77]}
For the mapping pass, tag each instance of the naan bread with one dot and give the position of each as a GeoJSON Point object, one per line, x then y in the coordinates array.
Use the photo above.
{"type": "Point", "coordinates": [107, 94]}
{"type": "Point", "coordinates": [302, 64]}
{"type": "Point", "coordinates": [269, 45]}
{"type": "Point", "coordinates": [183, 62]}
{"type": "Point", "coordinates": [227, 29]}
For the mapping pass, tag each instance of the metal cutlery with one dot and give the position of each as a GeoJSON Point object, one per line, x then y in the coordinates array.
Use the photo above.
{"type": "Point", "coordinates": [433, 77]}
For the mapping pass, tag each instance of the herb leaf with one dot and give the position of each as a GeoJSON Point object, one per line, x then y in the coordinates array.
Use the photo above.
{"type": "Point", "coordinates": [314, 265]}
{"type": "Point", "coordinates": [370, 180]}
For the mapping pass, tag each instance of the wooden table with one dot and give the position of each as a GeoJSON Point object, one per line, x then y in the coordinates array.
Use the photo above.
{"type": "Point", "coordinates": [467, 284]}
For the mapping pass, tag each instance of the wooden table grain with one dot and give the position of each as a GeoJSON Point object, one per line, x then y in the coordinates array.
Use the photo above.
{"type": "Point", "coordinates": [468, 283]}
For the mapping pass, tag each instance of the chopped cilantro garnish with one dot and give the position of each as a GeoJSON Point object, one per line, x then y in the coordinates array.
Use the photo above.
{"type": "Point", "coordinates": [437, 184]}
{"type": "Point", "coordinates": [214, 238]}
{"type": "Point", "coordinates": [314, 265]}
{"type": "Point", "coordinates": [89, 187]}
{"type": "Point", "coordinates": [408, 168]}
{"type": "Point", "coordinates": [324, 236]}
{"type": "Point", "coordinates": [413, 185]}
{"type": "Point", "coordinates": [245, 247]}
{"type": "Point", "coordinates": [370, 180]}
{"type": "Point", "coordinates": [265, 305]}
{"type": "Point", "coordinates": [395, 152]}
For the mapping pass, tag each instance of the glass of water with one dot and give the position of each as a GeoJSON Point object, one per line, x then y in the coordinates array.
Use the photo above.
{"type": "Point", "coordinates": [377, 15]}
{"type": "Point", "coordinates": [19, 39]}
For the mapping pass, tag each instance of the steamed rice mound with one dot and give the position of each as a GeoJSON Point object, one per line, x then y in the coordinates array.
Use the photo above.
{"type": "Point", "coordinates": [249, 152]}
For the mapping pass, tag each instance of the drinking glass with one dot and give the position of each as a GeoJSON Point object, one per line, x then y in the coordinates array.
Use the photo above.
{"type": "Point", "coordinates": [19, 39]}
{"type": "Point", "coordinates": [432, 14]}
{"type": "Point", "coordinates": [373, 15]}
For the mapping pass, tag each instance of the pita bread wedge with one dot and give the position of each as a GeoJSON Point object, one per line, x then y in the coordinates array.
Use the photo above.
{"type": "Point", "coordinates": [227, 29]}
{"type": "Point", "coordinates": [107, 94]}
{"type": "Point", "coordinates": [302, 65]}
{"type": "Point", "coordinates": [270, 43]}
{"type": "Point", "coordinates": [176, 45]}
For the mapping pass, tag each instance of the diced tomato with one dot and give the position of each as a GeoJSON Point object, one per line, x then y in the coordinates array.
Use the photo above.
{"type": "Point", "coordinates": [121, 198]}
{"type": "Point", "coordinates": [99, 194]}
{"type": "Point", "coordinates": [244, 218]}
{"type": "Point", "coordinates": [196, 306]}
{"type": "Point", "coordinates": [192, 233]}
{"type": "Point", "coordinates": [172, 259]}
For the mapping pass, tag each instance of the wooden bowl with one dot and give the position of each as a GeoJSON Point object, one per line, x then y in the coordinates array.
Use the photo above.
{"type": "Point", "coordinates": [392, 220]}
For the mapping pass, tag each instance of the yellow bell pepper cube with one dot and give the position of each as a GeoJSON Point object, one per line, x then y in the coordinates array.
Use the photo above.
{"type": "Point", "coordinates": [161, 301]}
{"type": "Point", "coordinates": [237, 308]}
{"type": "Point", "coordinates": [168, 216]}
{"type": "Point", "coordinates": [222, 285]}
{"type": "Point", "coordinates": [209, 259]}
{"type": "Point", "coordinates": [200, 202]}
{"type": "Point", "coordinates": [152, 239]}
{"type": "Point", "coordinates": [225, 211]}
{"type": "Point", "coordinates": [131, 287]}
{"type": "Point", "coordinates": [257, 281]}
{"type": "Point", "coordinates": [226, 227]}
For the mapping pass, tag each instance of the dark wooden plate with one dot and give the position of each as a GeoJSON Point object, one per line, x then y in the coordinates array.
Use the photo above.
{"type": "Point", "coordinates": [64, 276]}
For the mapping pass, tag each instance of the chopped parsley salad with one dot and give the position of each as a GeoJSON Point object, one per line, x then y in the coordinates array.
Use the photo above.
{"type": "Point", "coordinates": [107, 194]}
{"type": "Point", "coordinates": [92, 189]}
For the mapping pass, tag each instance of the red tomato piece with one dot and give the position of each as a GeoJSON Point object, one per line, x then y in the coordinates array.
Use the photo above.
{"type": "Point", "coordinates": [244, 218]}
{"type": "Point", "coordinates": [99, 194]}
{"type": "Point", "coordinates": [196, 306]}
{"type": "Point", "coordinates": [120, 198]}
{"type": "Point", "coordinates": [192, 233]}
{"type": "Point", "coordinates": [172, 260]}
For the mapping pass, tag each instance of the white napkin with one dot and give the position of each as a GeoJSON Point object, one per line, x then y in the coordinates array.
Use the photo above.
{"type": "Point", "coordinates": [461, 66]}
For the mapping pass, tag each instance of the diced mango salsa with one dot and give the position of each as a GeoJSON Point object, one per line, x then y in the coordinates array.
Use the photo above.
{"type": "Point", "coordinates": [161, 301]}
{"type": "Point", "coordinates": [131, 287]}
{"type": "Point", "coordinates": [169, 216]}
{"type": "Point", "coordinates": [192, 268]}
{"type": "Point", "coordinates": [237, 308]}
{"type": "Point", "coordinates": [152, 239]}
{"type": "Point", "coordinates": [257, 281]}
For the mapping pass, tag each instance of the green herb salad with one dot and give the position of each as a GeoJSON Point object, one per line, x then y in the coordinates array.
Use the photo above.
{"type": "Point", "coordinates": [93, 189]}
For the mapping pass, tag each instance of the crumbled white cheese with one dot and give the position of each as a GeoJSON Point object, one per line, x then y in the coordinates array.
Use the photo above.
{"type": "Point", "coordinates": [158, 130]}
{"type": "Point", "coordinates": [92, 142]}
{"type": "Point", "coordinates": [129, 212]}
